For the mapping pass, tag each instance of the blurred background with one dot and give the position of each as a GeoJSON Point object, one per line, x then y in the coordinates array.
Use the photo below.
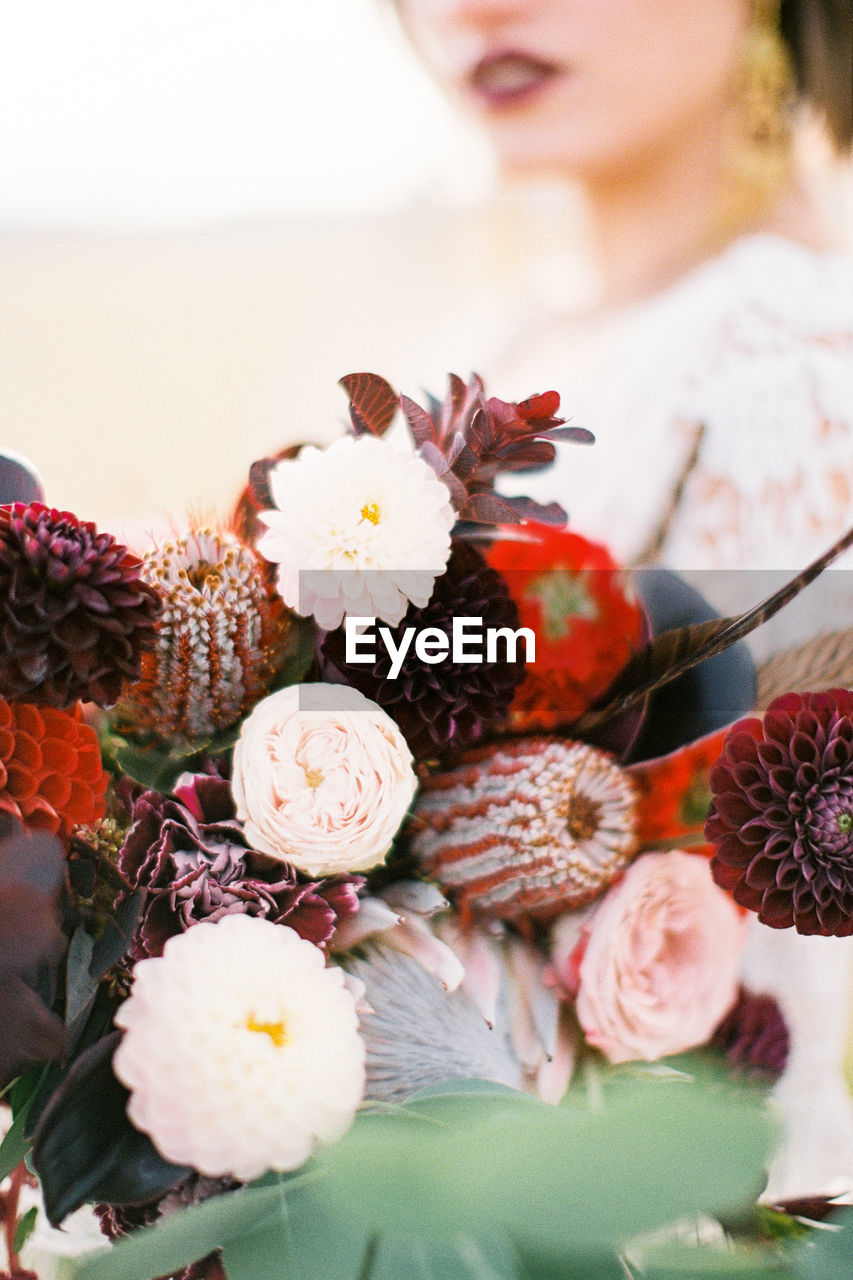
{"type": "Point", "coordinates": [209, 212]}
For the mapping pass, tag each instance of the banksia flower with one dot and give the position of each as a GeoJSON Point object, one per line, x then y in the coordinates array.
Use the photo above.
{"type": "Point", "coordinates": [451, 705]}
{"type": "Point", "coordinates": [530, 828]}
{"type": "Point", "coordinates": [219, 640]}
{"type": "Point", "coordinates": [189, 853]}
{"type": "Point", "coordinates": [781, 819]}
{"type": "Point", "coordinates": [50, 767]}
{"type": "Point", "coordinates": [76, 614]}
{"type": "Point", "coordinates": [573, 596]}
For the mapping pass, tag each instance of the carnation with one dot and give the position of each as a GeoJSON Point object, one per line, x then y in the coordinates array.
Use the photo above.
{"type": "Point", "coordinates": [189, 853]}
{"type": "Point", "coordinates": [660, 966]}
{"type": "Point", "coordinates": [322, 779]}
{"type": "Point", "coordinates": [241, 1049]}
{"type": "Point", "coordinates": [359, 528]}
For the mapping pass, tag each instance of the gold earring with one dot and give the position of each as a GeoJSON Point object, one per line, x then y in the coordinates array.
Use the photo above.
{"type": "Point", "coordinates": [759, 152]}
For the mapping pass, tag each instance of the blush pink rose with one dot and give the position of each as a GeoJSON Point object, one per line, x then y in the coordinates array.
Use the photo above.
{"type": "Point", "coordinates": [322, 779]}
{"type": "Point", "coordinates": [660, 968]}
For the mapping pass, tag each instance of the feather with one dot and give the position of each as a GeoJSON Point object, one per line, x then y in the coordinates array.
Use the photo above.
{"type": "Point", "coordinates": [826, 662]}
{"type": "Point", "coordinates": [676, 651]}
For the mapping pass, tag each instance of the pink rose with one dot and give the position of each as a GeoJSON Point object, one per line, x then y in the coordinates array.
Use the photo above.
{"type": "Point", "coordinates": [660, 969]}
{"type": "Point", "coordinates": [322, 779]}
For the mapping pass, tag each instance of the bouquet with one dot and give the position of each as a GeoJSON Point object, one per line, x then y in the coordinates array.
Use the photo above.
{"type": "Point", "coordinates": [374, 875]}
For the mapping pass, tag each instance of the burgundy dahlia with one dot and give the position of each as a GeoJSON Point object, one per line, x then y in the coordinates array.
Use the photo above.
{"type": "Point", "coordinates": [118, 1221]}
{"type": "Point", "coordinates": [450, 705]}
{"type": "Point", "coordinates": [754, 1036]}
{"type": "Point", "coordinates": [76, 615]}
{"type": "Point", "coordinates": [781, 818]}
{"type": "Point", "coordinates": [189, 852]}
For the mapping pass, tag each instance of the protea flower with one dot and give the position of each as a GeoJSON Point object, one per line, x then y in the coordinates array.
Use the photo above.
{"type": "Point", "coordinates": [446, 707]}
{"type": "Point", "coordinates": [51, 775]}
{"type": "Point", "coordinates": [188, 851]}
{"type": "Point", "coordinates": [529, 828]}
{"type": "Point", "coordinates": [781, 819]}
{"type": "Point", "coordinates": [76, 614]}
{"type": "Point", "coordinates": [219, 641]}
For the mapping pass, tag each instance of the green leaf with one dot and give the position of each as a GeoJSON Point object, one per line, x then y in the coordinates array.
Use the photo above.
{"type": "Point", "coordinates": [729, 1261]}
{"type": "Point", "coordinates": [829, 1253]}
{"type": "Point", "coordinates": [80, 986]}
{"type": "Point", "coordinates": [301, 649]}
{"type": "Point", "coordinates": [567, 1186]}
{"type": "Point", "coordinates": [15, 1145]}
{"type": "Point", "coordinates": [86, 1149]}
{"type": "Point", "coordinates": [187, 1236]}
{"type": "Point", "coordinates": [24, 1229]}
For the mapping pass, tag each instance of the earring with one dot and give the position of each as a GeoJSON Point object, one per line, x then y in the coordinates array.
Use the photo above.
{"type": "Point", "coordinates": [760, 148]}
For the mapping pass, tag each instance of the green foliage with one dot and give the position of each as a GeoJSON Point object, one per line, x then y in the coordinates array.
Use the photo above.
{"type": "Point", "coordinates": [477, 1182]}
{"type": "Point", "coordinates": [15, 1145]}
{"type": "Point", "coordinates": [24, 1229]}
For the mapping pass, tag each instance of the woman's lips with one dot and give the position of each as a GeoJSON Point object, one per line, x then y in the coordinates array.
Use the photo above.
{"type": "Point", "coordinates": [510, 78]}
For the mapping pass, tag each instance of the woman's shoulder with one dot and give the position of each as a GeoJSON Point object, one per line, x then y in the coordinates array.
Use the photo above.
{"type": "Point", "coordinates": [769, 375]}
{"type": "Point", "coordinates": [771, 342]}
{"type": "Point", "coordinates": [766, 283]}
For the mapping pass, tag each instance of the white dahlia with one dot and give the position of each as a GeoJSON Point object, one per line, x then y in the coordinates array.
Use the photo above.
{"type": "Point", "coordinates": [241, 1049]}
{"type": "Point", "coordinates": [359, 528]}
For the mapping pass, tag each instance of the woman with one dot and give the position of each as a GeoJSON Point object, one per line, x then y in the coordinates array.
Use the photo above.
{"type": "Point", "coordinates": [713, 356]}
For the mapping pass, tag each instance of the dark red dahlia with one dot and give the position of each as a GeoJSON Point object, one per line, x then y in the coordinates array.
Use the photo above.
{"type": "Point", "coordinates": [449, 705]}
{"type": "Point", "coordinates": [189, 852]}
{"type": "Point", "coordinates": [118, 1221]}
{"type": "Point", "coordinates": [76, 615]}
{"type": "Point", "coordinates": [781, 818]}
{"type": "Point", "coordinates": [754, 1036]}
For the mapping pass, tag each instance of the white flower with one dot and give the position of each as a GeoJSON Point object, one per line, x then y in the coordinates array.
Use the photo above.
{"type": "Point", "coordinates": [361, 528]}
{"type": "Point", "coordinates": [241, 1049]}
{"type": "Point", "coordinates": [322, 779]}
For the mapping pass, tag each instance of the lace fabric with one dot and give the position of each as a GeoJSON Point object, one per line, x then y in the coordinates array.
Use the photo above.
{"type": "Point", "coordinates": [755, 346]}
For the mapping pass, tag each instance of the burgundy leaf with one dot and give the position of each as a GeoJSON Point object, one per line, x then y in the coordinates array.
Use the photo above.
{"type": "Point", "coordinates": [30, 1033]}
{"type": "Point", "coordinates": [570, 435]}
{"type": "Point", "coordinates": [528, 509]}
{"type": "Point", "coordinates": [420, 423]}
{"type": "Point", "coordinates": [489, 508]}
{"type": "Point", "coordinates": [373, 402]}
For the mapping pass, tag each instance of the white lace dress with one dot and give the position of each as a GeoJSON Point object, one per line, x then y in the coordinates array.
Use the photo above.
{"type": "Point", "coordinates": [756, 345]}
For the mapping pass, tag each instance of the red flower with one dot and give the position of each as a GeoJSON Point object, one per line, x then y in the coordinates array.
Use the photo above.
{"type": "Point", "coordinates": [51, 775]}
{"type": "Point", "coordinates": [573, 596]}
{"type": "Point", "coordinates": [781, 821]}
{"type": "Point", "coordinates": [76, 616]}
{"type": "Point", "coordinates": [675, 792]}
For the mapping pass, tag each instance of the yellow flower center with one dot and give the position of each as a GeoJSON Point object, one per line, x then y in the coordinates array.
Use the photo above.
{"type": "Point", "coordinates": [275, 1030]}
{"type": "Point", "coordinates": [313, 777]}
{"type": "Point", "coordinates": [370, 511]}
